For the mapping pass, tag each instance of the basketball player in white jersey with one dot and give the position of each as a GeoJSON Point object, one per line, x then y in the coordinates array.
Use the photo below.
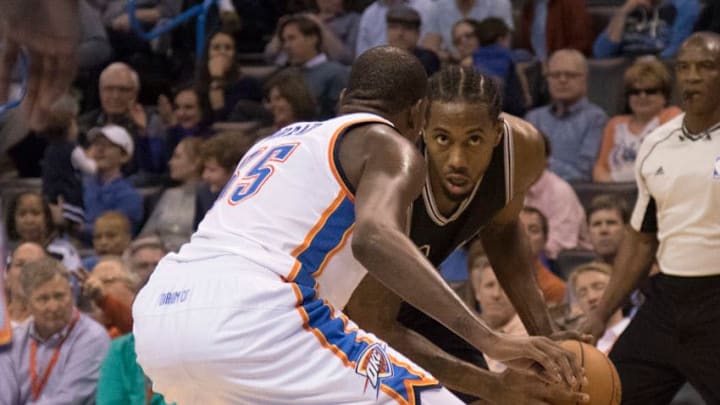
{"type": "Point", "coordinates": [480, 164]}
{"type": "Point", "coordinates": [674, 337]}
{"type": "Point", "coordinates": [246, 312]}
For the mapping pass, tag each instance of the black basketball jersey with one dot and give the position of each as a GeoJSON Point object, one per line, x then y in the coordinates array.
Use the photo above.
{"type": "Point", "coordinates": [438, 236]}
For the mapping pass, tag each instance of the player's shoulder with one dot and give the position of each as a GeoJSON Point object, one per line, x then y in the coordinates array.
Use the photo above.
{"type": "Point", "coordinates": [523, 131]}
{"type": "Point", "coordinates": [527, 140]}
{"type": "Point", "coordinates": [528, 150]}
{"type": "Point", "coordinates": [377, 141]}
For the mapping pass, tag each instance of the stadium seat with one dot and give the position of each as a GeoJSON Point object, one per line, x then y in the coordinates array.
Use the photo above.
{"type": "Point", "coordinates": [605, 84]}
{"type": "Point", "coordinates": [569, 259]}
{"type": "Point", "coordinates": [586, 191]}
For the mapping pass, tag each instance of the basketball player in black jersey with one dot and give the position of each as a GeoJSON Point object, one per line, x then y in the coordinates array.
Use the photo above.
{"type": "Point", "coordinates": [480, 164]}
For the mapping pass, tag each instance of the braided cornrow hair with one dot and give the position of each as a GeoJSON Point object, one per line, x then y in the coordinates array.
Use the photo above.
{"type": "Point", "coordinates": [456, 83]}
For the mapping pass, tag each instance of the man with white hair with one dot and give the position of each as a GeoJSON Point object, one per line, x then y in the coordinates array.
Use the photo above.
{"type": "Point", "coordinates": [119, 88]}
{"type": "Point", "coordinates": [55, 356]}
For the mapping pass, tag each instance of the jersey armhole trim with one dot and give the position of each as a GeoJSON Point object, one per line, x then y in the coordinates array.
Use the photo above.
{"type": "Point", "coordinates": [334, 153]}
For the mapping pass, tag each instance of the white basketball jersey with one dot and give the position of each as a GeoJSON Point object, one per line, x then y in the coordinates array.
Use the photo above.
{"type": "Point", "coordinates": [288, 208]}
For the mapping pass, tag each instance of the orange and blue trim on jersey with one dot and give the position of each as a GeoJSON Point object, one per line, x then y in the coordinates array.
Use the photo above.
{"type": "Point", "coordinates": [333, 152]}
{"type": "Point", "coordinates": [324, 239]}
{"type": "Point", "coordinates": [327, 237]}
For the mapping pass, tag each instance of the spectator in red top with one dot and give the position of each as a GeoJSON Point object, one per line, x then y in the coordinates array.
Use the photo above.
{"type": "Point", "coordinates": [550, 25]}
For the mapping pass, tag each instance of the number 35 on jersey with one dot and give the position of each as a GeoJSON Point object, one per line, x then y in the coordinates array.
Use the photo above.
{"type": "Point", "coordinates": [263, 163]}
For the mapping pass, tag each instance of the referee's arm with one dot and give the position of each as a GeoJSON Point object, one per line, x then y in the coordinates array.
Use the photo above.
{"type": "Point", "coordinates": [632, 264]}
{"type": "Point", "coordinates": [635, 255]}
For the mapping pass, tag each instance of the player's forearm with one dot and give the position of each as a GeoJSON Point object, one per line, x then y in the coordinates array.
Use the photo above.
{"type": "Point", "coordinates": [393, 259]}
{"type": "Point", "coordinates": [452, 372]}
{"type": "Point", "coordinates": [632, 264]}
{"type": "Point", "coordinates": [515, 270]}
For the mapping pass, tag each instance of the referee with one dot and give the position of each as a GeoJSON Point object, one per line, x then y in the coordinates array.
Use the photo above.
{"type": "Point", "coordinates": [675, 336]}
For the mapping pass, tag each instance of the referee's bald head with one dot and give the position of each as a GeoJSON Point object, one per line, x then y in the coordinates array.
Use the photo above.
{"type": "Point", "coordinates": [704, 39]}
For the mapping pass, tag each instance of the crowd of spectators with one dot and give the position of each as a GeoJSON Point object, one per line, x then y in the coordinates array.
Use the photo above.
{"type": "Point", "coordinates": [135, 156]}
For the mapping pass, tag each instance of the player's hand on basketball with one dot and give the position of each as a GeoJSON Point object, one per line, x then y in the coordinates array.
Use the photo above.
{"type": "Point", "coordinates": [593, 325]}
{"type": "Point", "coordinates": [48, 31]}
{"type": "Point", "coordinates": [539, 355]}
{"type": "Point", "coordinates": [521, 387]}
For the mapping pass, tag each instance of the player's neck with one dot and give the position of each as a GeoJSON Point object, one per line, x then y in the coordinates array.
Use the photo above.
{"type": "Point", "coordinates": [446, 206]}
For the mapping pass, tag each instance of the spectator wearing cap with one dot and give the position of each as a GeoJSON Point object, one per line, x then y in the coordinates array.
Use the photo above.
{"type": "Point", "coordinates": [108, 190]}
{"type": "Point", "coordinates": [55, 357]}
{"type": "Point", "coordinates": [372, 30]}
{"type": "Point", "coordinates": [403, 31]}
{"type": "Point", "coordinates": [119, 87]}
{"type": "Point", "coordinates": [301, 39]}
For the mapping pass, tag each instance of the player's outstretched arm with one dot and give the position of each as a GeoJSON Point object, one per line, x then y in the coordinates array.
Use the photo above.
{"type": "Point", "coordinates": [504, 240]}
{"type": "Point", "coordinates": [375, 309]}
{"type": "Point", "coordinates": [632, 264]}
{"type": "Point", "coordinates": [388, 174]}
{"type": "Point", "coordinates": [509, 254]}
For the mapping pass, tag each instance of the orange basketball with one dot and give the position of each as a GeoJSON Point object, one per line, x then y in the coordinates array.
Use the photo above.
{"type": "Point", "coordinates": [603, 380]}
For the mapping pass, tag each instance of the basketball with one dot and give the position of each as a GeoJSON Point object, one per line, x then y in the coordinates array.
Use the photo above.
{"type": "Point", "coordinates": [603, 380]}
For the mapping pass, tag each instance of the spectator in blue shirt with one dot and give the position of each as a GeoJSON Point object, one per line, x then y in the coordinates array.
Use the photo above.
{"type": "Point", "coordinates": [572, 124]}
{"type": "Point", "coordinates": [108, 190]}
{"type": "Point", "coordinates": [641, 27]}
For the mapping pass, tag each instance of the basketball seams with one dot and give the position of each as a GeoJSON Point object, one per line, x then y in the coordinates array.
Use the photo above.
{"type": "Point", "coordinates": [606, 392]}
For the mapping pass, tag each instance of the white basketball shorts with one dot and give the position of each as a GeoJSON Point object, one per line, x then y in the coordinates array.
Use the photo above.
{"type": "Point", "coordinates": [228, 331]}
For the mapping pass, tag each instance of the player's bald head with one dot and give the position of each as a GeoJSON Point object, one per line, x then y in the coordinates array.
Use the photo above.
{"type": "Point", "coordinates": [387, 78]}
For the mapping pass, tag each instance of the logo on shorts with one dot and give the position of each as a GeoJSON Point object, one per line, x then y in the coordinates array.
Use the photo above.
{"type": "Point", "coordinates": [374, 365]}
{"type": "Point", "coordinates": [173, 297]}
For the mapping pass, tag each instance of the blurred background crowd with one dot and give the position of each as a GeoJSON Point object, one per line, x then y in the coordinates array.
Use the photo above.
{"type": "Point", "coordinates": [135, 155]}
